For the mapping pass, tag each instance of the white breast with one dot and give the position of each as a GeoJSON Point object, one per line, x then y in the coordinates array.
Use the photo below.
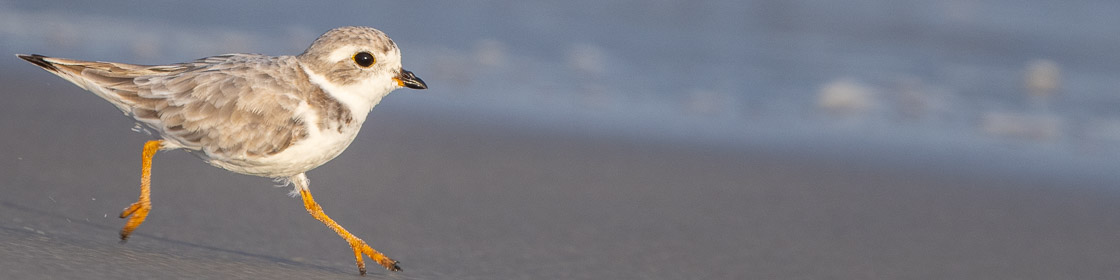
{"type": "Point", "coordinates": [320, 146]}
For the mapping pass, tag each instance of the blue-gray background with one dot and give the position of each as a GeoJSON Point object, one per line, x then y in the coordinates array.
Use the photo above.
{"type": "Point", "coordinates": [977, 123]}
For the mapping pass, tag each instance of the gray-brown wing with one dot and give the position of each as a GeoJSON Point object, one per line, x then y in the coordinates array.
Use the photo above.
{"type": "Point", "coordinates": [226, 106]}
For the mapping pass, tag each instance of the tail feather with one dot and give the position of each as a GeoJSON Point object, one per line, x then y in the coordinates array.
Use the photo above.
{"type": "Point", "coordinates": [39, 60]}
{"type": "Point", "coordinates": [68, 69]}
{"type": "Point", "coordinates": [85, 75]}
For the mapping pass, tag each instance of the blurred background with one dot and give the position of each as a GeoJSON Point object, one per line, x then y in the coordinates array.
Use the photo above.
{"type": "Point", "coordinates": [1032, 78]}
{"type": "Point", "coordinates": [1017, 95]}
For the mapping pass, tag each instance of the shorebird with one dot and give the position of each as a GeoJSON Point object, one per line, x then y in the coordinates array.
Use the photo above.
{"type": "Point", "coordinates": [268, 116]}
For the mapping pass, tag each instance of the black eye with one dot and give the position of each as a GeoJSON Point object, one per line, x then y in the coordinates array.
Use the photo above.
{"type": "Point", "coordinates": [364, 59]}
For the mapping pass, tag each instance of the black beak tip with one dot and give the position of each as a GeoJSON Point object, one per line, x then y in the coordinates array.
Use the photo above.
{"type": "Point", "coordinates": [411, 81]}
{"type": "Point", "coordinates": [417, 84]}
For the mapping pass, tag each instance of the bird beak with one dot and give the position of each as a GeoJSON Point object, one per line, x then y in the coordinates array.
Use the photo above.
{"type": "Point", "coordinates": [409, 80]}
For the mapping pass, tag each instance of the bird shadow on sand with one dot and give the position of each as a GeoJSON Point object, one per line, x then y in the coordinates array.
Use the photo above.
{"type": "Point", "coordinates": [108, 231]}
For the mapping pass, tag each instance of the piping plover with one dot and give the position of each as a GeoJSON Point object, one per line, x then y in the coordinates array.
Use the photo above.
{"type": "Point", "coordinates": [269, 116]}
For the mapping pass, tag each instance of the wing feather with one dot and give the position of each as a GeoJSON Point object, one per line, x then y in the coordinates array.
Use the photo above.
{"type": "Point", "coordinates": [228, 106]}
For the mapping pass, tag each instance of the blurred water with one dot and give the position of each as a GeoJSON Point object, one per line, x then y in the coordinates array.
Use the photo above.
{"type": "Point", "coordinates": [1005, 83]}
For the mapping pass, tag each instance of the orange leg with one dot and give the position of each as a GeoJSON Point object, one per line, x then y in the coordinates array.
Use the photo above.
{"type": "Point", "coordinates": [360, 247]}
{"type": "Point", "coordinates": [139, 210]}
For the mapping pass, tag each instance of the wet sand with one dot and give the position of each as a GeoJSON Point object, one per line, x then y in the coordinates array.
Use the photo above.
{"type": "Point", "coordinates": [455, 196]}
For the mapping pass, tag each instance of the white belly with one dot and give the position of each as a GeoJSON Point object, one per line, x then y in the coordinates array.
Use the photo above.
{"type": "Point", "coordinates": [318, 148]}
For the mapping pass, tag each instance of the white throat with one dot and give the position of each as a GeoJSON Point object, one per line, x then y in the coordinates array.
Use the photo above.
{"type": "Point", "coordinates": [359, 97]}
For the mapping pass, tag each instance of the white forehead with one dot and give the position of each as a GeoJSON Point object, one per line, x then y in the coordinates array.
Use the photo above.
{"type": "Point", "coordinates": [344, 52]}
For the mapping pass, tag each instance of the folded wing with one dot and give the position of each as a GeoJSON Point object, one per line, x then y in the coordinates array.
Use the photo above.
{"type": "Point", "coordinates": [224, 106]}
